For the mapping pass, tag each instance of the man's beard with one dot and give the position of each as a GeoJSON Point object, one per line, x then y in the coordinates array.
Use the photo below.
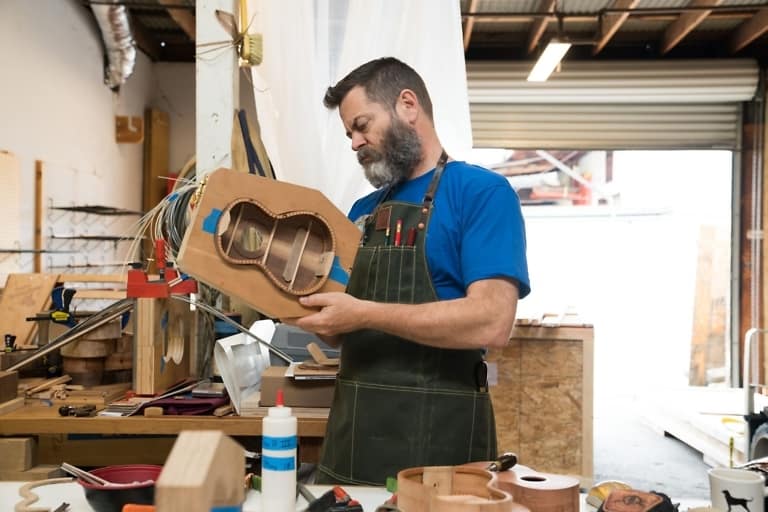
{"type": "Point", "coordinates": [394, 164]}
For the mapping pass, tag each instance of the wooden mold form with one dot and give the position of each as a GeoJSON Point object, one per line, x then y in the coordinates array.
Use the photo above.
{"type": "Point", "coordinates": [267, 242]}
{"type": "Point", "coordinates": [165, 331]}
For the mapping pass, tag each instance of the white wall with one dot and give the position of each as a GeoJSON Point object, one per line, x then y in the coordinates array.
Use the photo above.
{"type": "Point", "coordinates": [174, 92]}
{"type": "Point", "coordinates": [56, 108]}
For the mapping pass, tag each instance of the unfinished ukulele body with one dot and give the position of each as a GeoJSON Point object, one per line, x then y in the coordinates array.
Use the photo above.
{"type": "Point", "coordinates": [295, 250]}
{"type": "Point", "coordinates": [452, 489]}
{"type": "Point", "coordinates": [267, 242]}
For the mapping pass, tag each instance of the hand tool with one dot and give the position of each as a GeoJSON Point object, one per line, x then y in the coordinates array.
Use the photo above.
{"type": "Point", "coordinates": [62, 298]}
{"type": "Point", "coordinates": [10, 342]}
{"type": "Point", "coordinates": [333, 500]}
{"type": "Point", "coordinates": [62, 508]}
{"type": "Point", "coordinates": [503, 462]}
{"type": "Point", "coordinates": [79, 411]}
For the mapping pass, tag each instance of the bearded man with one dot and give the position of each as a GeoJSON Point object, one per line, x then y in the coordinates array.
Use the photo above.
{"type": "Point", "coordinates": [435, 282]}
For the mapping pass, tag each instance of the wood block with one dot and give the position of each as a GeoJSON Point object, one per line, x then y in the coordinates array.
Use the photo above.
{"type": "Point", "coordinates": [12, 405]}
{"type": "Point", "coordinates": [164, 333]}
{"type": "Point", "coordinates": [17, 453]}
{"type": "Point", "coordinates": [541, 389]}
{"type": "Point", "coordinates": [9, 384]}
{"type": "Point", "coordinates": [104, 450]}
{"type": "Point", "coordinates": [24, 296]}
{"type": "Point", "coordinates": [205, 468]}
{"type": "Point", "coordinates": [8, 359]}
{"type": "Point", "coordinates": [201, 257]}
{"type": "Point", "coordinates": [42, 472]}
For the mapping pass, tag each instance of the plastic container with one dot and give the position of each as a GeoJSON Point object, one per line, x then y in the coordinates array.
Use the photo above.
{"type": "Point", "coordinates": [278, 458]}
{"type": "Point", "coordinates": [112, 499]}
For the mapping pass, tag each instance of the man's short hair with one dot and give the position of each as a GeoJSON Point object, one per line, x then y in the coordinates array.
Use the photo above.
{"type": "Point", "coordinates": [382, 80]}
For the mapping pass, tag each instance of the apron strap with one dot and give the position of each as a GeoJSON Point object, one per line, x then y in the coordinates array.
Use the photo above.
{"type": "Point", "coordinates": [426, 204]}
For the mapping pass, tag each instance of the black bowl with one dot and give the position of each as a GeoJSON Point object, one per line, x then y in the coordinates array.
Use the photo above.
{"type": "Point", "coordinates": [112, 499]}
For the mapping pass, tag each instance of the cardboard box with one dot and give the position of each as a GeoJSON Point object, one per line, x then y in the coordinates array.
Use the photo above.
{"type": "Point", "coordinates": [297, 393]}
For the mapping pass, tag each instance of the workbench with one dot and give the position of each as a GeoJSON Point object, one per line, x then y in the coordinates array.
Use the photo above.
{"type": "Point", "coordinates": [370, 497]}
{"type": "Point", "coordinates": [102, 440]}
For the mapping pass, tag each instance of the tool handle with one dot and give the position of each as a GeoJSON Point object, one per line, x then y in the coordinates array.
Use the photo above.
{"type": "Point", "coordinates": [504, 462]}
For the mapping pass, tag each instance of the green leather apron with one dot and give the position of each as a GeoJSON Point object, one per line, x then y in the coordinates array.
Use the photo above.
{"type": "Point", "coordinates": [397, 403]}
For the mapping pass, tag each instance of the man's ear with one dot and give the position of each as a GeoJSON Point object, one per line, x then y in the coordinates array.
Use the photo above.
{"type": "Point", "coordinates": [408, 106]}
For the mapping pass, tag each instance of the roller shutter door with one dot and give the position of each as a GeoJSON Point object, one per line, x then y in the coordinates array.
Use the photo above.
{"type": "Point", "coordinates": [611, 105]}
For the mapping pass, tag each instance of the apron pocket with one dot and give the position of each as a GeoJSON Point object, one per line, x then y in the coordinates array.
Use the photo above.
{"type": "Point", "coordinates": [395, 275]}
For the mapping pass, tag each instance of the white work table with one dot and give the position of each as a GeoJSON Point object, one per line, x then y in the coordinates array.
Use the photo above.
{"type": "Point", "coordinates": [51, 496]}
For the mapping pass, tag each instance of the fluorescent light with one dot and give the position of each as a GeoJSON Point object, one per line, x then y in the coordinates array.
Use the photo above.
{"type": "Point", "coordinates": [550, 58]}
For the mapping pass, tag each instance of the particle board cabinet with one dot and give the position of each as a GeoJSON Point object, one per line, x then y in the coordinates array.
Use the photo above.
{"type": "Point", "coordinates": [541, 389]}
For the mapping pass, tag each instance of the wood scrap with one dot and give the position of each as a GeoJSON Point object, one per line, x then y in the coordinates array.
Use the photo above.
{"type": "Point", "coordinates": [77, 395]}
{"type": "Point", "coordinates": [17, 453]}
{"type": "Point", "coordinates": [205, 468]}
{"type": "Point", "coordinates": [11, 406]}
{"type": "Point", "coordinates": [224, 410]}
{"type": "Point", "coordinates": [48, 384]}
{"type": "Point", "coordinates": [25, 295]}
{"type": "Point", "coordinates": [319, 356]}
{"type": "Point", "coordinates": [9, 384]}
{"type": "Point", "coordinates": [29, 497]}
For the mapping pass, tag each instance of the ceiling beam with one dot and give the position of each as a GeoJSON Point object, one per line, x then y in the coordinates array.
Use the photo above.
{"type": "Point", "coordinates": [540, 25]}
{"type": "Point", "coordinates": [750, 30]}
{"type": "Point", "coordinates": [470, 24]}
{"type": "Point", "coordinates": [184, 18]}
{"type": "Point", "coordinates": [685, 23]}
{"type": "Point", "coordinates": [611, 22]}
{"type": "Point", "coordinates": [144, 40]}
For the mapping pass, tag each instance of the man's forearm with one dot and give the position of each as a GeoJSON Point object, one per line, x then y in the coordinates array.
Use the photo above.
{"type": "Point", "coordinates": [483, 318]}
{"type": "Point", "coordinates": [455, 324]}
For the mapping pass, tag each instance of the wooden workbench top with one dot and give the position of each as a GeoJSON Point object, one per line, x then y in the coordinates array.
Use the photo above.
{"type": "Point", "coordinates": [40, 419]}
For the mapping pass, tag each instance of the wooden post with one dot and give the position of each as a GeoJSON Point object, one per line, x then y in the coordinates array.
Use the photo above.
{"type": "Point", "coordinates": [217, 87]}
{"type": "Point", "coordinates": [38, 266]}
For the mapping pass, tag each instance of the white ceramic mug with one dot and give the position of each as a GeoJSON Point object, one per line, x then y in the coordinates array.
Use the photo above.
{"type": "Point", "coordinates": [737, 490]}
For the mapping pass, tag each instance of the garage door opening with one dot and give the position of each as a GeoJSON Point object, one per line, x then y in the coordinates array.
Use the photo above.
{"type": "Point", "coordinates": [637, 243]}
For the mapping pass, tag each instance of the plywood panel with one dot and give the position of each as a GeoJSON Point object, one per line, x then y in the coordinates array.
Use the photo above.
{"type": "Point", "coordinates": [25, 295]}
{"type": "Point", "coordinates": [542, 396]}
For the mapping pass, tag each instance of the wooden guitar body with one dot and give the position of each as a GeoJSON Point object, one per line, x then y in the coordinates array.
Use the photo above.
{"type": "Point", "coordinates": [540, 492]}
{"type": "Point", "coordinates": [452, 489]}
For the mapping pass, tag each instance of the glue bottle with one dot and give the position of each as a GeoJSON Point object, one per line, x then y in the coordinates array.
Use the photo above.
{"type": "Point", "coordinates": [278, 458]}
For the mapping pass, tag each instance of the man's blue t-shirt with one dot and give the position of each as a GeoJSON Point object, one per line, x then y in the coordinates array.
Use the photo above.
{"type": "Point", "coordinates": [476, 230]}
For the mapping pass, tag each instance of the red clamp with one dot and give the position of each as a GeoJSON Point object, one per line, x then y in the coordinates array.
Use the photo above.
{"type": "Point", "coordinates": [171, 281]}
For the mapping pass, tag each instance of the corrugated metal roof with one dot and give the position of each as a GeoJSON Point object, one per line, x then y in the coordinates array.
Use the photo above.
{"type": "Point", "coordinates": [502, 29]}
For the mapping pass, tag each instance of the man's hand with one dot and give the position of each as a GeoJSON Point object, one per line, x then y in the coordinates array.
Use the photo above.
{"type": "Point", "coordinates": [340, 313]}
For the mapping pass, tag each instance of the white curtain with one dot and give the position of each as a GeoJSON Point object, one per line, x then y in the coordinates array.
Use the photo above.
{"type": "Point", "coordinates": [309, 45]}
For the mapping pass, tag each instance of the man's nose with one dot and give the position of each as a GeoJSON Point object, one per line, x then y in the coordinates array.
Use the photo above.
{"type": "Point", "coordinates": [358, 141]}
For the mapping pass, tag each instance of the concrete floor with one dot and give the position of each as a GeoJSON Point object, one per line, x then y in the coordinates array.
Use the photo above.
{"type": "Point", "coordinates": [627, 448]}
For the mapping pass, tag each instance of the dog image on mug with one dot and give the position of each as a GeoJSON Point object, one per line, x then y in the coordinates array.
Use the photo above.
{"type": "Point", "coordinates": [737, 490]}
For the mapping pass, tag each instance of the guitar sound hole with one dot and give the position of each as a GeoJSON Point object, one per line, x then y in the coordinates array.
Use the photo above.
{"type": "Point", "coordinates": [532, 478]}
